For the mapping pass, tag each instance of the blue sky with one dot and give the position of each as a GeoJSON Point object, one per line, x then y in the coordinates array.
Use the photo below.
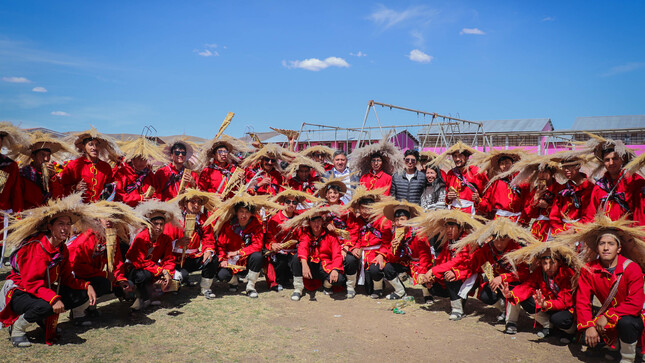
{"type": "Point", "coordinates": [181, 66]}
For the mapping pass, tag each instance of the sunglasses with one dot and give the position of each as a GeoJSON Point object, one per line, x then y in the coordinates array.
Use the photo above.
{"type": "Point", "coordinates": [177, 152]}
{"type": "Point", "coordinates": [222, 152]}
{"type": "Point", "coordinates": [294, 202]}
{"type": "Point", "coordinates": [269, 160]}
{"type": "Point", "coordinates": [410, 160]}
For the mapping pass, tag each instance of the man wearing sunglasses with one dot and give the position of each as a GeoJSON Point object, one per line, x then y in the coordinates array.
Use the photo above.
{"type": "Point", "coordinates": [271, 182]}
{"type": "Point", "coordinates": [410, 183]}
{"type": "Point", "coordinates": [168, 178]}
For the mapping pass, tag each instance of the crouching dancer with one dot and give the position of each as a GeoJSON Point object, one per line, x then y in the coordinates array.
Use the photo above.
{"type": "Point", "coordinates": [318, 252]}
{"type": "Point", "coordinates": [407, 253]}
{"type": "Point", "coordinates": [150, 256]}
{"type": "Point", "coordinates": [240, 239]}
{"type": "Point", "coordinates": [547, 292]}
{"type": "Point", "coordinates": [41, 285]}
{"type": "Point", "coordinates": [445, 279]}
{"type": "Point", "coordinates": [611, 275]}
{"type": "Point", "coordinates": [194, 243]}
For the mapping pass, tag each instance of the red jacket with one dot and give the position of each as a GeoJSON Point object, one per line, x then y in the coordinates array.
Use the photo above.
{"type": "Point", "coordinates": [570, 203]}
{"type": "Point", "coordinates": [373, 181]}
{"type": "Point", "coordinates": [638, 199]}
{"type": "Point", "coordinates": [214, 177]}
{"type": "Point", "coordinates": [274, 187]}
{"type": "Point", "coordinates": [466, 184]}
{"type": "Point", "coordinates": [447, 261]}
{"type": "Point", "coordinates": [501, 196]}
{"type": "Point", "coordinates": [303, 186]}
{"type": "Point", "coordinates": [501, 267]}
{"type": "Point", "coordinates": [151, 256]}
{"type": "Point", "coordinates": [596, 281]}
{"type": "Point", "coordinates": [33, 192]}
{"type": "Point", "coordinates": [275, 233]}
{"type": "Point", "coordinates": [11, 191]}
{"type": "Point", "coordinates": [413, 252]}
{"type": "Point", "coordinates": [29, 273]}
{"type": "Point", "coordinates": [96, 176]}
{"type": "Point", "coordinates": [324, 249]}
{"type": "Point", "coordinates": [619, 204]}
{"type": "Point", "coordinates": [88, 256]}
{"type": "Point", "coordinates": [542, 224]}
{"type": "Point", "coordinates": [556, 291]}
{"type": "Point", "coordinates": [374, 237]}
{"type": "Point", "coordinates": [130, 186]}
{"type": "Point", "coordinates": [247, 240]}
{"type": "Point", "coordinates": [168, 180]}
{"type": "Point", "coordinates": [203, 237]}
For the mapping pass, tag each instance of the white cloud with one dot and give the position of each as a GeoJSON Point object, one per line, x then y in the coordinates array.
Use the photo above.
{"type": "Point", "coordinates": [387, 18]}
{"type": "Point", "coordinates": [16, 79]}
{"type": "Point", "coordinates": [39, 89]}
{"type": "Point", "coordinates": [623, 68]}
{"type": "Point", "coordinates": [418, 56]}
{"type": "Point", "coordinates": [206, 53]}
{"type": "Point", "coordinates": [548, 18]}
{"type": "Point", "coordinates": [59, 113]}
{"type": "Point", "coordinates": [473, 31]}
{"type": "Point", "coordinates": [358, 54]}
{"type": "Point", "coordinates": [315, 64]}
{"type": "Point", "coordinates": [419, 40]}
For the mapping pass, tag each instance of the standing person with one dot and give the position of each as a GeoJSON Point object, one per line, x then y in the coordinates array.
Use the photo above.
{"type": "Point", "coordinates": [318, 252]}
{"type": "Point", "coordinates": [300, 173]}
{"type": "Point", "coordinates": [38, 176]}
{"type": "Point", "coordinates": [341, 171]}
{"type": "Point", "coordinates": [444, 279]}
{"type": "Point", "coordinates": [90, 172]}
{"type": "Point", "coordinates": [172, 177]}
{"type": "Point", "coordinates": [376, 163]}
{"type": "Point", "coordinates": [408, 253]}
{"type": "Point", "coordinates": [197, 251]}
{"type": "Point", "coordinates": [321, 154]}
{"type": "Point", "coordinates": [489, 259]}
{"type": "Point", "coordinates": [611, 193]}
{"type": "Point", "coordinates": [41, 284]}
{"type": "Point", "coordinates": [548, 291]}
{"type": "Point", "coordinates": [571, 201]}
{"type": "Point", "coordinates": [410, 183]}
{"type": "Point", "coordinates": [612, 274]}
{"type": "Point", "coordinates": [240, 238]}
{"type": "Point", "coordinates": [464, 183]}
{"type": "Point", "coordinates": [263, 170]}
{"type": "Point", "coordinates": [502, 198]}
{"type": "Point", "coordinates": [135, 180]}
{"type": "Point", "coordinates": [637, 165]}
{"type": "Point", "coordinates": [150, 256]}
{"type": "Point", "coordinates": [434, 195]}
{"type": "Point", "coordinates": [220, 157]}
{"type": "Point", "coordinates": [364, 253]}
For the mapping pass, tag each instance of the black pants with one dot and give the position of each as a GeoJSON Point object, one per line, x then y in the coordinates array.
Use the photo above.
{"type": "Point", "coordinates": [629, 328]}
{"type": "Point", "coordinates": [317, 273]}
{"type": "Point", "coordinates": [192, 264]}
{"type": "Point", "coordinates": [253, 263]}
{"type": "Point", "coordinates": [488, 297]}
{"type": "Point", "coordinates": [351, 264]}
{"type": "Point", "coordinates": [392, 270]}
{"type": "Point", "coordinates": [285, 266]}
{"type": "Point", "coordinates": [561, 319]}
{"type": "Point", "coordinates": [451, 290]}
{"type": "Point", "coordinates": [37, 309]}
{"type": "Point", "coordinates": [142, 279]}
{"type": "Point", "coordinates": [375, 272]}
{"type": "Point", "coordinates": [102, 286]}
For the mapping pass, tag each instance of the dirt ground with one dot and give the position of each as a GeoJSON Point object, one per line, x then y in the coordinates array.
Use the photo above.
{"type": "Point", "coordinates": [233, 327]}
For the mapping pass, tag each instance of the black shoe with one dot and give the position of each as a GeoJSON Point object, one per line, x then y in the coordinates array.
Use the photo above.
{"type": "Point", "coordinates": [377, 294]}
{"type": "Point", "coordinates": [92, 313]}
{"type": "Point", "coordinates": [511, 328]}
{"type": "Point", "coordinates": [428, 300]}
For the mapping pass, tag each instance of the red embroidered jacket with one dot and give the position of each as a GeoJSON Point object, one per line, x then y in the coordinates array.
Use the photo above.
{"type": "Point", "coordinates": [542, 224]}
{"type": "Point", "coordinates": [151, 256]}
{"type": "Point", "coordinates": [203, 238]}
{"type": "Point", "coordinates": [501, 196]}
{"type": "Point", "coordinates": [570, 203]}
{"type": "Point", "coordinates": [413, 252]}
{"type": "Point", "coordinates": [11, 192]}
{"type": "Point", "coordinates": [275, 233]}
{"type": "Point", "coordinates": [214, 177]}
{"type": "Point", "coordinates": [556, 291]}
{"type": "Point", "coordinates": [617, 205]}
{"type": "Point", "coordinates": [168, 180]}
{"type": "Point", "coordinates": [374, 237]}
{"type": "Point", "coordinates": [33, 192]}
{"type": "Point", "coordinates": [324, 249]}
{"type": "Point", "coordinates": [232, 238]}
{"type": "Point", "coordinates": [96, 176]}
{"type": "Point", "coordinates": [373, 181]}
{"type": "Point", "coordinates": [471, 177]}
{"type": "Point", "coordinates": [88, 256]}
{"type": "Point", "coordinates": [128, 190]}
{"type": "Point", "coordinates": [274, 187]}
{"type": "Point", "coordinates": [447, 261]}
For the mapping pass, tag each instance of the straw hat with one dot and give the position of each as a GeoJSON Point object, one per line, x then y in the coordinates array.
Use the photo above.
{"type": "Point", "coordinates": [458, 147]}
{"type": "Point", "coordinates": [598, 145]}
{"type": "Point", "coordinates": [183, 141]}
{"type": "Point", "coordinates": [208, 200]}
{"type": "Point", "coordinates": [144, 148]}
{"type": "Point", "coordinates": [532, 253]}
{"type": "Point", "coordinates": [271, 151]}
{"type": "Point", "coordinates": [289, 193]}
{"type": "Point", "coordinates": [361, 158]}
{"type": "Point", "coordinates": [226, 209]}
{"type": "Point", "coordinates": [302, 219]}
{"type": "Point", "coordinates": [151, 209]}
{"type": "Point", "coordinates": [489, 162]}
{"type": "Point", "coordinates": [636, 165]}
{"type": "Point", "coordinates": [299, 160]}
{"type": "Point", "coordinates": [527, 170]}
{"type": "Point", "coordinates": [326, 151]}
{"type": "Point", "coordinates": [323, 185]}
{"type": "Point", "coordinates": [389, 207]}
{"type": "Point", "coordinates": [109, 148]}
{"type": "Point", "coordinates": [122, 216]}
{"type": "Point", "coordinates": [39, 140]}
{"type": "Point", "coordinates": [361, 193]}
{"type": "Point", "coordinates": [432, 223]}
{"type": "Point", "coordinates": [233, 145]}
{"type": "Point", "coordinates": [496, 229]}
{"type": "Point", "coordinates": [13, 138]}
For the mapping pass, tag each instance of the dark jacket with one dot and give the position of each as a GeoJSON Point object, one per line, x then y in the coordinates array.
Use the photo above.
{"type": "Point", "coordinates": [410, 190]}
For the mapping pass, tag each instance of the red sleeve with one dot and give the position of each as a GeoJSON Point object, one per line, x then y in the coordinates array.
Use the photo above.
{"type": "Point", "coordinates": [204, 181]}
{"type": "Point", "coordinates": [592, 208]}
{"type": "Point", "coordinates": [80, 256]}
{"type": "Point", "coordinates": [70, 176]}
{"type": "Point", "coordinates": [222, 242]}
{"type": "Point", "coordinates": [633, 303]}
{"type": "Point", "coordinates": [485, 202]}
{"type": "Point", "coordinates": [68, 278]}
{"type": "Point", "coordinates": [584, 316]}
{"type": "Point", "coordinates": [168, 260]}
{"type": "Point", "coordinates": [303, 245]}
{"type": "Point", "coordinates": [336, 255]}
{"type": "Point", "coordinates": [563, 301]}
{"type": "Point", "coordinates": [527, 288]}
{"type": "Point", "coordinates": [32, 262]}
{"type": "Point", "coordinates": [354, 231]}
{"type": "Point", "coordinates": [273, 228]}
{"type": "Point", "coordinates": [15, 186]}
{"type": "Point", "coordinates": [208, 238]}
{"type": "Point", "coordinates": [555, 217]}
{"type": "Point", "coordinates": [119, 265]}
{"type": "Point", "coordinates": [137, 254]}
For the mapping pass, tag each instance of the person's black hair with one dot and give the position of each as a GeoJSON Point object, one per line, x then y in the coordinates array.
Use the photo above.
{"type": "Point", "coordinates": [318, 216]}
{"type": "Point", "coordinates": [333, 187]}
{"type": "Point", "coordinates": [156, 218]}
{"type": "Point", "coordinates": [43, 149]}
{"type": "Point", "coordinates": [366, 201]}
{"type": "Point", "coordinates": [376, 155]}
{"type": "Point", "coordinates": [402, 212]}
{"type": "Point", "coordinates": [339, 152]}
{"type": "Point", "coordinates": [606, 151]}
{"type": "Point", "coordinates": [504, 157]}
{"type": "Point", "coordinates": [412, 152]}
{"type": "Point", "coordinates": [177, 146]}
{"type": "Point", "coordinates": [452, 223]}
{"type": "Point", "coordinates": [248, 207]}
{"type": "Point", "coordinates": [88, 139]}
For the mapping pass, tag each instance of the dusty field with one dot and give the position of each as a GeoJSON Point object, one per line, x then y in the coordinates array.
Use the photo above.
{"type": "Point", "coordinates": [233, 327]}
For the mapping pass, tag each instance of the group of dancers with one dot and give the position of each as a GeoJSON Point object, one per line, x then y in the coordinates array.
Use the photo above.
{"type": "Point", "coordinates": [87, 218]}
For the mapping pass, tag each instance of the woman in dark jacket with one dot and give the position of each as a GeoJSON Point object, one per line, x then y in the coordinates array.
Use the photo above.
{"type": "Point", "coordinates": [434, 195]}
